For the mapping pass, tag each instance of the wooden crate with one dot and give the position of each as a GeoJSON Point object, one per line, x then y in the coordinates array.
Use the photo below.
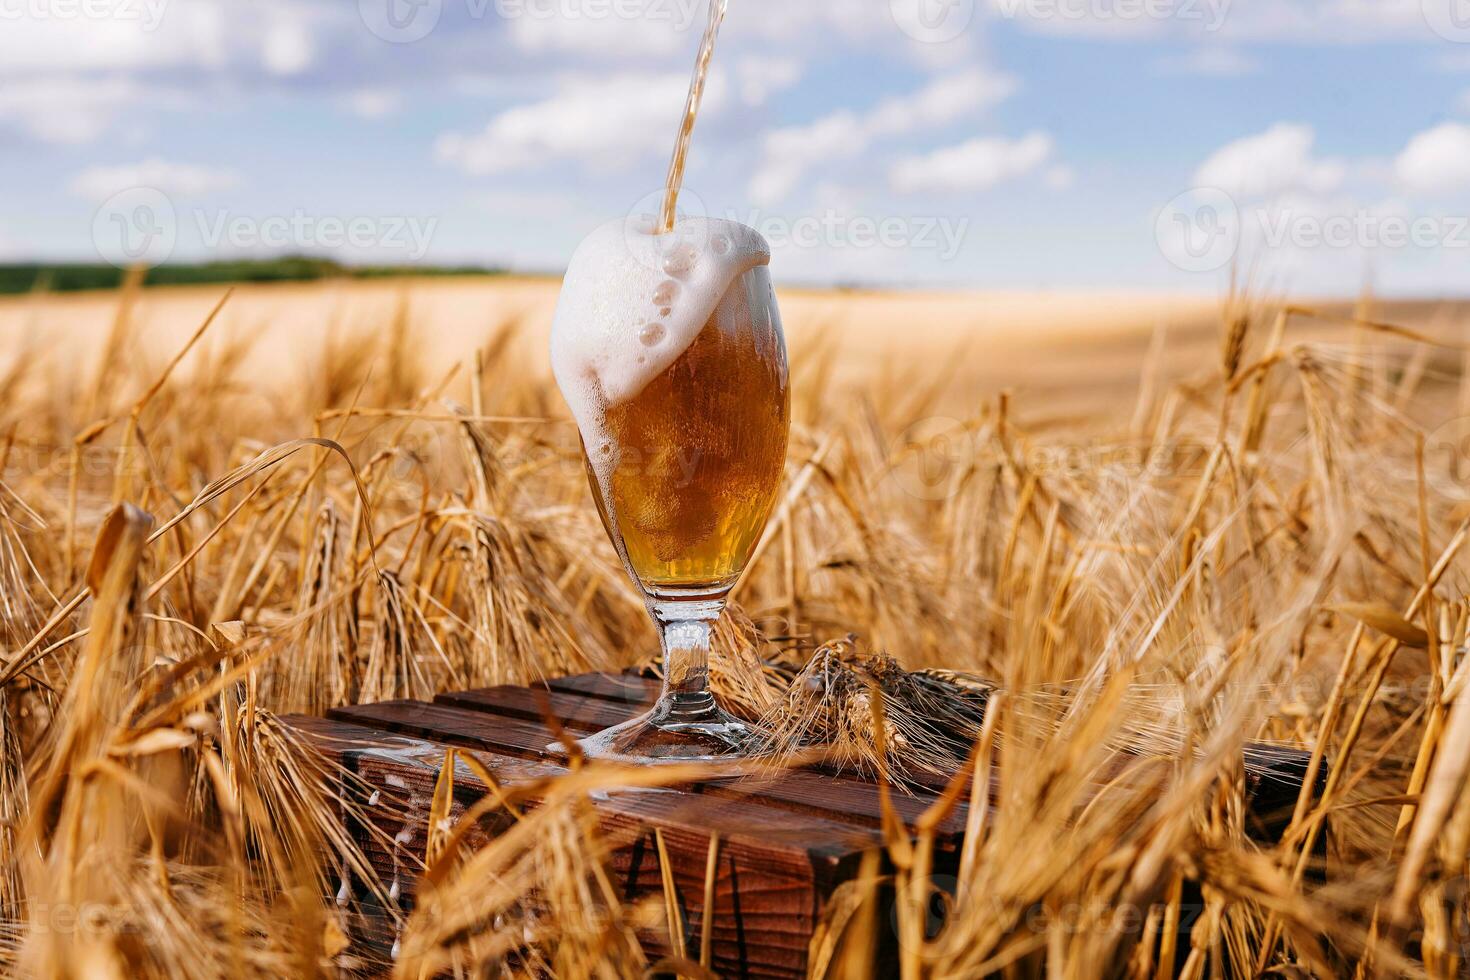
{"type": "Point", "coordinates": [787, 841]}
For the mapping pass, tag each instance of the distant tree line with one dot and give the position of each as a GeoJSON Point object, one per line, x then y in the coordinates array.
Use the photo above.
{"type": "Point", "coordinates": [69, 277]}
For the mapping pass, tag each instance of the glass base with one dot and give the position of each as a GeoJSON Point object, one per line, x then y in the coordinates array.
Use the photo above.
{"type": "Point", "coordinates": [672, 732]}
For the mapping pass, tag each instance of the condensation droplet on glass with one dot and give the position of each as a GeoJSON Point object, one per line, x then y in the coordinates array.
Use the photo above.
{"type": "Point", "coordinates": [651, 334]}
{"type": "Point", "coordinates": [721, 244]}
{"type": "Point", "coordinates": [665, 293]}
{"type": "Point", "coordinates": [666, 311]}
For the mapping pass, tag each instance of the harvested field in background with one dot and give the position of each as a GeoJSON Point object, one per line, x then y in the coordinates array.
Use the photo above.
{"type": "Point", "coordinates": [1173, 525]}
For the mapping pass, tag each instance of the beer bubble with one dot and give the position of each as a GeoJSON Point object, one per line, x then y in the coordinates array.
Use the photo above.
{"type": "Point", "coordinates": [665, 293]}
{"type": "Point", "coordinates": [651, 334]}
{"type": "Point", "coordinates": [680, 259]}
{"type": "Point", "coordinates": [666, 311]}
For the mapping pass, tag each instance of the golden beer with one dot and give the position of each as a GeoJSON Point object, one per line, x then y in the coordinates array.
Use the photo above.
{"type": "Point", "coordinates": [701, 450]}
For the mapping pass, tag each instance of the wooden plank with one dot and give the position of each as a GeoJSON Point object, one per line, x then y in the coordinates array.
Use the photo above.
{"type": "Point", "coordinates": [627, 688]}
{"type": "Point", "coordinates": [578, 712]}
{"type": "Point", "coordinates": [767, 896]}
{"type": "Point", "coordinates": [774, 870]}
{"type": "Point", "coordinates": [778, 873]}
{"type": "Point", "coordinates": [1274, 776]}
{"type": "Point", "coordinates": [839, 798]}
{"type": "Point", "coordinates": [586, 713]}
{"type": "Point", "coordinates": [632, 688]}
{"type": "Point", "coordinates": [591, 702]}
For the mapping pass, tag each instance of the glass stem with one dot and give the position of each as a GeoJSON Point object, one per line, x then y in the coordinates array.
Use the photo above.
{"type": "Point", "coordinates": [686, 627]}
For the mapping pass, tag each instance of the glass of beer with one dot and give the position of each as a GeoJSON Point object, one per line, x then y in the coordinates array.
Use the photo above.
{"type": "Point", "coordinates": [685, 450]}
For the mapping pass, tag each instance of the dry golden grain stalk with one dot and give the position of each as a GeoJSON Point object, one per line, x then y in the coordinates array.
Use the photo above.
{"type": "Point", "coordinates": [1265, 542]}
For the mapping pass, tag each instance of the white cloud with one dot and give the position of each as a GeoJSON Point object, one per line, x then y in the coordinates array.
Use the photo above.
{"type": "Point", "coordinates": [794, 21]}
{"type": "Point", "coordinates": [374, 103]}
{"type": "Point", "coordinates": [66, 77]}
{"type": "Point", "coordinates": [658, 28]}
{"type": "Point", "coordinates": [1280, 159]}
{"type": "Point", "coordinates": [1301, 21]}
{"type": "Point", "coordinates": [183, 179]}
{"type": "Point", "coordinates": [1076, 17]}
{"type": "Point", "coordinates": [1294, 21]}
{"type": "Point", "coordinates": [1211, 61]}
{"type": "Point", "coordinates": [1059, 177]}
{"type": "Point", "coordinates": [288, 47]}
{"type": "Point", "coordinates": [789, 153]}
{"type": "Point", "coordinates": [761, 76]}
{"type": "Point", "coordinates": [869, 26]}
{"type": "Point", "coordinates": [68, 109]}
{"type": "Point", "coordinates": [1436, 160]}
{"type": "Point", "coordinates": [1329, 21]}
{"type": "Point", "coordinates": [978, 164]}
{"type": "Point", "coordinates": [602, 120]}
{"type": "Point", "coordinates": [281, 37]}
{"type": "Point", "coordinates": [943, 100]}
{"type": "Point", "coordinates": [197, 34]}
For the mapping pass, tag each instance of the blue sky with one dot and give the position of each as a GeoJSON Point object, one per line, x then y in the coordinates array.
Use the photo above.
{"type": "Point", "coordinates": [1001, 144]}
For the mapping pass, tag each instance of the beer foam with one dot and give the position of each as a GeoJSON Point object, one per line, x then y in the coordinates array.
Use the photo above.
{"type": "Point", "coordinates": [633, 301]}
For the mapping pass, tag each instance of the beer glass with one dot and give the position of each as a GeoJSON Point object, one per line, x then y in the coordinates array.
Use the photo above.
{"type": "Point", "coordinates": [701, 454]}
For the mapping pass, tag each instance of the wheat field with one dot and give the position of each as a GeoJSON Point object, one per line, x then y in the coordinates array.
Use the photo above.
{"type": "Point", "coordinates": [1167, 524]}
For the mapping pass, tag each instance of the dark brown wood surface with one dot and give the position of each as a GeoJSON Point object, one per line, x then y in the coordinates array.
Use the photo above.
{"type": "Point", "coordinates": [786, 839]}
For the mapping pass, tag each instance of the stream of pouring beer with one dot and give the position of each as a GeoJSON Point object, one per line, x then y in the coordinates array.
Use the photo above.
{"type": "Point", "coordinates": [691, 112]}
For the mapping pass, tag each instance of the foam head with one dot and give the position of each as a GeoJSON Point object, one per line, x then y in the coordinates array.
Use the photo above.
{"type": "Point", "coordinates": [633, 301]}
